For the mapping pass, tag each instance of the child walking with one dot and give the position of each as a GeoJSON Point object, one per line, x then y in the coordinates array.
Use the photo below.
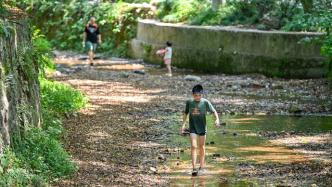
{"type": "Point", "coordinates": [197, 108]}
{"type": "Point", "coordinates": [167, 52]}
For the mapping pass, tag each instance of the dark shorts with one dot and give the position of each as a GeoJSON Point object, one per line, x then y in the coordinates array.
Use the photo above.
{"type": "Point", "coordinates": [194, 131]}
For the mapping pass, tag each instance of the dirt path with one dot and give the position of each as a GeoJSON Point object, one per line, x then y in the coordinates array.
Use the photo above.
{"type": "Point", "coordinates": [109, 139]}
{"type": "Point", "coordinates": [114, 140]}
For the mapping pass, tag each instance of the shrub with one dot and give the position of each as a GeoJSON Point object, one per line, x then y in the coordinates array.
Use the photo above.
{"type": "Point", "coordinates": [42, 52]}
{"type": "Point", "coordinates": [60, 98]}
{"type": "Point", "coordinates": [43, 154]}
{"type": "Point", "coordinates": [63, 23]}
{"type": "Point", "coordinates": [11, 173]}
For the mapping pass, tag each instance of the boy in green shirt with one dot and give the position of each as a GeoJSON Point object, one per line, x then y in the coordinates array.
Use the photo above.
{"type": "Point", "coordinates": [197, 109]}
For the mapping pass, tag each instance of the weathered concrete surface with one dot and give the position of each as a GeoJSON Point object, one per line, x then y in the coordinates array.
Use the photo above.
{"type": "Point", "coordinates": [231, 50]}
{"type": "Point", "coordinates": [19, 85]}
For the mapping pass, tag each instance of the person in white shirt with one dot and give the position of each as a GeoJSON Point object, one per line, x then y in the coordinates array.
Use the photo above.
{"type": "Point", "coordinates": [167, 52]}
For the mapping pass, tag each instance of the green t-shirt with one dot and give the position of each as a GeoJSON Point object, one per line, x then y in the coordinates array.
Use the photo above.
{"type": "Point", "coordinates": [197, 115]}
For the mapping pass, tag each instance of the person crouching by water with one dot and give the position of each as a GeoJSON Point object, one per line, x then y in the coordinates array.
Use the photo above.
{"type": "Point", "coordinates": [197, 108]}
{"type": "Point", "coordinates": [91, 38]}
{"type": "Point", "coordinates": [167, 52]}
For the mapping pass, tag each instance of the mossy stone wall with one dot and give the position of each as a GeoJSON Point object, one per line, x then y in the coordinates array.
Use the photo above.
{"type": "Point", "coordinates": [231, 50]}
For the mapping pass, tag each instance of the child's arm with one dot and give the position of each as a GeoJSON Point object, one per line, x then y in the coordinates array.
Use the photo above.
{"type": "Point", "coordinates": [160, 51]}
{"type": "Point", "coordinates": [215, 113]}
{"type": "Point", "coordinates": [217, 122]}
{"type": "Point", "coordinates": [184, 119]}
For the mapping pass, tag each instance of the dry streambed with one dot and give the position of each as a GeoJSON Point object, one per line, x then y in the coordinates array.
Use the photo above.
{"type": "Point", "coordinates": [119, 139]}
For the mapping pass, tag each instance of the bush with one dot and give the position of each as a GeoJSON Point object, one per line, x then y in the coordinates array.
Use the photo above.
{"type": "Point", "coordinates": [180, 11]}
{"type": "Point", "coordinates": [12, 174]}
{"type": "Point", "coordinates": [43, 154]}
{"type": "Point", "coordinates": [38, 155]}
{"type": "Point", "coordinates": [60, 98]}
{"type": "Point", "coordinates": [63, 23]}
{"type": "Point", "coordinates": [42, 52]}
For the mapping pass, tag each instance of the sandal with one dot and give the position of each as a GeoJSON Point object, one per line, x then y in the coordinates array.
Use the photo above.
{"type": "Point", "coordinates": [194, 172]}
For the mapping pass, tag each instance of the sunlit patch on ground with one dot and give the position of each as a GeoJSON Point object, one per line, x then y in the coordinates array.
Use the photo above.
{"type": "Point", "coordinates": [300, 140]}
{"type": "Point", "coordinates": [271, 149]}
{"type": "Point", "coordinates": [144, 144]}
{"type": "Point", "coordinates": [119, 67]}
{"type": "Point", "coordinates": [278, 157]}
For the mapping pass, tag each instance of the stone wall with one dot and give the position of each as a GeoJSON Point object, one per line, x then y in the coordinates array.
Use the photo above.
{"type": "Point", "coordinates": [19, 85]}
{"type": "Point", "coordinates": [230, 50]}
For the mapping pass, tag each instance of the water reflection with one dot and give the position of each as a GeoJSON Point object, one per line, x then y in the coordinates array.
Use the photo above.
{"type": "Point", "coordinates": [240, 142]}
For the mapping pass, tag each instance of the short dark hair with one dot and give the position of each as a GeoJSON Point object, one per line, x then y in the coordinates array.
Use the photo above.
{"type": "Point", "coordinates": [198, 89]}
{"type": "Point", "coordinates": [169, 44]}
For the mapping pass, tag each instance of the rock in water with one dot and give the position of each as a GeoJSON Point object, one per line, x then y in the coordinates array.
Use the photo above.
{"type": "Point", "coordinates": [161, 157]}
{"type": "Point", "coordinates": [124, 75]}
{"type": "Point", "coordinates": [153, 169]}
{"type": "Point", "coordinates": [192, 78]}
{"type": "Point", "coordinates": [141, 72]}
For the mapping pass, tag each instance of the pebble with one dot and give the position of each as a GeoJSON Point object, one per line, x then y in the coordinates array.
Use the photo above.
{"type": "Point", "coordinates": [141, 72]}
{"type": "Point", "coordinates": [192, 78]}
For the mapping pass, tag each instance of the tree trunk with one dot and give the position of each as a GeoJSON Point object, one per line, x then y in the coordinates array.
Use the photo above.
{"type": "Point", "coordinates": [307, 5]}
{"type": "Point", "coordinates": [19, 85]}
{"type": "Point", "coordinates": [216, 4]}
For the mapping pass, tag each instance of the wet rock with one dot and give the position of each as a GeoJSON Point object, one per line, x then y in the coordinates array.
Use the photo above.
{"type": "Point", "coordinates": [236, 87]}
{"type": "Point", "coordinates": [256, 86]}
{"type": "Point", "coordinates": [161, 157]}
{"type": "Point", "coordinates": [223, 179]}
{"type": "Point", "coordinates": [192, 78]}
{"type": "Point", "coordinates": [141, 72]}
{"type": "Point", "coordinates": [58, 74]}
{"type": "Point", "coordinates": [153, 169]}
{"type": "Point", "coordinates": [295, 110]}
{"type": "Point", "coordinates": [124, 75]}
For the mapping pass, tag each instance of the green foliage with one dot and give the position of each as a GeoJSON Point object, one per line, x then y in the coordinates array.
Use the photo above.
{"type": "Point", "coordinates": [136, 1]}
{"type": "Point", "coordinates": [261, 14]}
{"type": "Point", "coordinates": [60, 98]}
{"type": "Point", "coordinates": [38, 156]}
{"type": "Point", "coordinates": [180, 11]}
{"type": "Point", "coordinates": [63, 23]}
{"type": "Point", "coordinates": [210, 17]}
{"type": "Point", "coordinates": [318, 19]}
{"type": "Point", "coordinates": [12, 174]}
{"type": "Point", "coordinates": [5, 29]}
{"type": "Point", "coordinates": [42, 52]}
{"type": "Point", "coordinates": [43, 154]}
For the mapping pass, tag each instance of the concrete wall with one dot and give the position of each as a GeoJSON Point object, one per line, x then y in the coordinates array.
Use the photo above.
{"type": "Point", "coordinates": [231, 50]}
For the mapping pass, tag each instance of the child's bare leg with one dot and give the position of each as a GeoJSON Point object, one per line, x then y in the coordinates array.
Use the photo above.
{"type": "Point", "coordinates": [169, 68]}
{"type": "Point", "coordinates": [193, 138]}
{"type": "Point", "coordinates": [201, 141]}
